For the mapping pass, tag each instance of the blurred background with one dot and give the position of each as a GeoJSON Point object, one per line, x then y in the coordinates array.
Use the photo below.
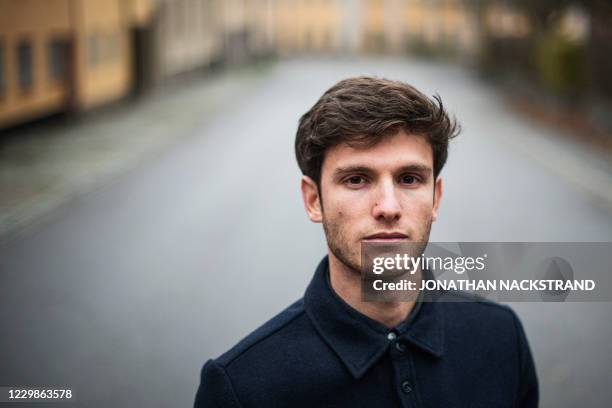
{"type": "Point", "coordinates": [150, 215]}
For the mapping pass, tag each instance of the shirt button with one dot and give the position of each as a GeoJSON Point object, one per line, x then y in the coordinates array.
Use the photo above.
{"type": "Point", "coordinates": [399, 346]}
{"type": "Point", "coordinates": [391, 336]}
{"type": "Point", "coordinates": [406, 387]}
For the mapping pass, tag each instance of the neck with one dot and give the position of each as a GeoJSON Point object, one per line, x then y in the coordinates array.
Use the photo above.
{"type": "Point", "coordinates": [347, 284]}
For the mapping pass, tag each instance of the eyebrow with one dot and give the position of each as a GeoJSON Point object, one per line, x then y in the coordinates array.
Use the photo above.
{"type": "Point", "coordinates": [418, 168]}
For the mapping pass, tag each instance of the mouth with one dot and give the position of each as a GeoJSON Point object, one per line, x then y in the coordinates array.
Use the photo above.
{"type": "Point", "coordinates": [386, 237]}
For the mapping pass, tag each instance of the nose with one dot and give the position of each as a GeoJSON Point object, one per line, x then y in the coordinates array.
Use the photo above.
{"type": "Point", "coordinates": [387, 207]}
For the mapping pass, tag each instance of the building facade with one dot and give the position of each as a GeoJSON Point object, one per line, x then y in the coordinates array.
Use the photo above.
{"type": "Point", "coordinates": [60, 55]}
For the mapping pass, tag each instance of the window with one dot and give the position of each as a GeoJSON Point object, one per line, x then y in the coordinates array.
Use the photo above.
{"type": "Point", "coordinates": [24, 65]}
{"type": "Point", "coordinates": [57, 52]}
{"type": "Point", "coordinates": [113, 46]}
{"type": "Point", "coordinates": [93, 49]}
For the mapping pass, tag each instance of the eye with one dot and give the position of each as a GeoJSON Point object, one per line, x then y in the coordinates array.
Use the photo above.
{"type": "Point", "coordinates": [409, 179]}
{"type": "Point", "coordinates": [355, 181]}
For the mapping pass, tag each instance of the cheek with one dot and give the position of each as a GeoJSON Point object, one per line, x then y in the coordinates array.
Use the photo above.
{"type": "Point", "coordinates": [418, 202]}
{"type": "Point", "coordinates": [353, 207]}
{"type": "Point", "coordinates": [339, 206]}
{"type": "Point", "coordinates": [347, 214]}
{"type": "Point", "coordinates": [350, 211]}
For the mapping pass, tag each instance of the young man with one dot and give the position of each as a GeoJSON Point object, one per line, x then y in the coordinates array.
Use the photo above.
{"type": "Point", "coordinates": [371, 151]}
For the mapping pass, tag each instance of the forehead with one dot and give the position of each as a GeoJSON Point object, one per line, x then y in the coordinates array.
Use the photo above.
{"type": "Point", "coordinates": [394, 151]}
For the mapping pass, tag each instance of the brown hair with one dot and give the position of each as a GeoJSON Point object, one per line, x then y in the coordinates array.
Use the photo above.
{"type": "Point", "coordinates": [361, 111]}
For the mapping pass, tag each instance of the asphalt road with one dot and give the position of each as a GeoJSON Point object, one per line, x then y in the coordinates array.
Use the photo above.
{"type": "Point", "coordinates": [126, 291]}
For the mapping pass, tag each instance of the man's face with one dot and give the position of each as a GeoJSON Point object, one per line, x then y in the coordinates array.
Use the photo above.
{"type": "Point", "coordinates": [382, 193]}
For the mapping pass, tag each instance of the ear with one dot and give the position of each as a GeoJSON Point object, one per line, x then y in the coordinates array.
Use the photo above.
{"type": "Point", "coordinates": [312, 202]}
{"type": "Point", "coordinates": [437, 197]}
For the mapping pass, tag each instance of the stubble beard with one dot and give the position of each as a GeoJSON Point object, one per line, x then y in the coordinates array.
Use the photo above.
{"type": "Point", "coordinates": [351, 257]}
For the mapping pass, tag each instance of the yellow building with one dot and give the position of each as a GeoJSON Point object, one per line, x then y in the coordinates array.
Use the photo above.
{"type": "Point", "coordinates": [35, 47]}
{"type": "Point", "coordinates": [390, 26]}
{"type": "Point", "coordinates": [374, 33]}
{"type": "Point", "coordinates": [234, 31]}
{"type": "Point", "coordinates": [385, 26]}
{"type": "Point", "coordinates": [260, 22]}
{"type": "Point", "coordinates": [74, 54]}
{"type": "Point", "coordinates": [308, 25]}
{"type": "Point", "coordinates": [102, 67]}
{"type": "Point", "coordinates": [441, 24]}
{"type": "Point", "coordinates": [187, 35]}
{"type": "Point", "coordinates": [58, 55]}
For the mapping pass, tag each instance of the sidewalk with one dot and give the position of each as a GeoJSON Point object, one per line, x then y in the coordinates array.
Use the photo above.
{"type": "Point", "coordinates": [45, 165]}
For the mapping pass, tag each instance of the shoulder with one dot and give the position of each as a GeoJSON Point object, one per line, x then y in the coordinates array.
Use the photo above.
{"type": "Point", "coordinates": [228, 379]}
{"type": "Point", "coordinates": [271, 331]}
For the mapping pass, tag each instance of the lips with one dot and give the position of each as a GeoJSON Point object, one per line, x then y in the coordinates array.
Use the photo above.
{"type": "Point", "coordinates": [386, 237]}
